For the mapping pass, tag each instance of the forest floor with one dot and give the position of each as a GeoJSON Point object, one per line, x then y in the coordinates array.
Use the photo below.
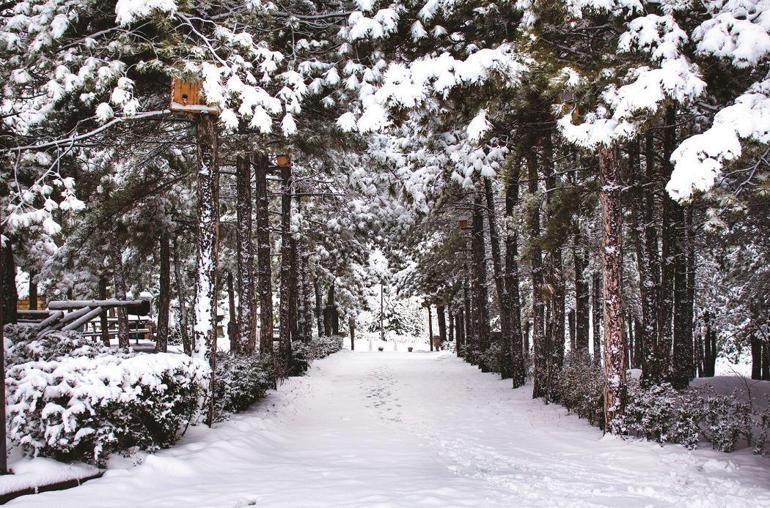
{"type": "Point", "coordinates": [409, 429]}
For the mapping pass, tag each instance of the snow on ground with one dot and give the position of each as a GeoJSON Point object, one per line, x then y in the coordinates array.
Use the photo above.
{"type": "Point", "coordinates": [401, 429]}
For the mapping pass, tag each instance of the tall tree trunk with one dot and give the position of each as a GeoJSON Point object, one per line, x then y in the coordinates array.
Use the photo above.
{"type": "Point", "coordinates": [612, 263]}
{"type": "Point", "coordinates": [681, 365]}
{"type": "Point", "coordinates": [518, 369]}
{"type": "Point", "coordinates": [654, 356]}
{"type": "Point", "coordinates": [480, 277]}
{"type": "Point", "coordinates": [540, 368]}
{"type": "Point", "coordinates": [596, 316]}
{"type": "Point", "coordinates": [318, 307]}
{"type": "Point", "coordinates": [331, 315]}
{"type": "Point", "coordinates": [119, 280]}
{"type": "Point", "coordinates": [460, 331]}
{"type": "Point", "coordinates": [247, 309]}
{"type": "Point", "coordinates": [555, 342]}
{"type": "Point", "coordinates": [204, 345]}
{"type": "Point", "coordinates": [232, 325]}
{"type": "Point", "coordinates": [306, 307]}
{"type": "Point", "coordinates": [181, 284]}
{"type": "Point", "coordinates": [283, 363]}
{"type": "Point", "coordinates": [441, 318]}
{"type": "Point", "coordinates": [689, 304]}
{"type": "Point", "coordinates": [669, 237]}
{"type": "Point", "coordinates": [503, 298]}
{"type": "Point", "coordinates": [430, 328]}
{"type": "Point", "coordinates": [450, 324]}
{"type": "Point", "coordinates": [104, 322]}
{"type": "Point", "coordinates": [468, 317]}
{"type": "Point", "coordinates": [3, 298]}
{"type": "Point", "coordinates": [9, 272]}
{"type": "Point", "coordinates": [32, 290]}
{"type": "Point", "coordinates": [642, 205]}
{"type": "Point", "coordinates": [765, 361]}
{"type": "Point", "coordinates": [264, 267]}
{"type": "Point", "coordinates": [571, 328]}
{"type": "Point", "coordinates": [164, 294]}
{"type": "Point", "coordinates": [756, 358]}
{"type": "Point", "coordinates": [581, 294]}
{"type": "Point", "coordinates": [708, 353]}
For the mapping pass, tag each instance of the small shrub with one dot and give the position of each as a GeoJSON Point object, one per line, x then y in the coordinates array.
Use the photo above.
{"type": "Point", "coordinates": [240, 381]}
{"type": "Point", "coordinates": [579, 387]}
{"type": "Point", "coordinates": [25, 346]}
{"type": "Point", "coordinates": [490, 359]}
{"type": "Point", "coordinates": [763, 424]}
{"type": "Point", "coordinates": [726, 420]}
{"type": "Point", "coordinates": [80, 408]}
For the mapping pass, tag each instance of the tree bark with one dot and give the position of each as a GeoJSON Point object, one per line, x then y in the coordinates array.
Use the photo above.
{"type": "Point", "coordinates": [503, 297]}
{"type": "Point", "coordinates": [181, 301]}
{"type": "Point", "coordinates": [318, 308]}
{"type": "Point", "coordinates": [669, 239]}
{"type": "Point", "coordinates": [284, 360]}
{"type": "Point", "coordinates": [536, 266]}
{"type": "Point", "coordinates": [3, 298]}
{"type": "Point", "coordinates": [518, 370]}
{"type": "Point", "coordinates": [430, 328]}
{"type": "Point", "coordinates": [232, 325]}
{"type": "Point", "coordinates": [467, 318]}
{"type": "Point", "coordinates": [612, 262]}
{"type": "Point", "coordinates": [596, 316]}
{"type": "Point", "coordinates": [765, 361]}
{"type": "Point", "coordinates": [460, 332]}
{"type": "Point", "coordinates": [119, 280]}
{"type": "Point", "coordinates": [204, 344]}
{"type": "Point", "coordinates": [104, 322]}
{"type": "Point", "coordinates": [32, 291]}
{"type": "Point", "coordinates": [441, 318]}
{"type": "Point", "coordinates": [9, 272]}
{"type": "Point", "coordinates": [480, 277]}
{"type": "Point", "coordinates": [264, 267]}
{"type": "Point", "coordinates": [247, 309]}
{"type": "Point", "coordinates": [756, 358]}
{"type": "Point", "coordinates": [164, 295]}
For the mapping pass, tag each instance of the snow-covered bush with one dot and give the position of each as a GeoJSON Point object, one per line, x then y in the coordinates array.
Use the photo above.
{"type": "Point", "coordinates": [240, 381]}
{"type": "Point", "coordinates": [82, 408]}
{"type": "Point", "coordinates": [489, 360]}
{"type": "Point", "coordinates": [763, 423]}
{"type": "Point", "coordinates": [727, 421]}
{"type": "Point", "coordinates": [317, 348]}
{"type": "Point", "coordinates": [663, 414]}
{"type": "Point", "coordinates": [23, 345]}
{"type": "Point", "coordinates": [580, 388]}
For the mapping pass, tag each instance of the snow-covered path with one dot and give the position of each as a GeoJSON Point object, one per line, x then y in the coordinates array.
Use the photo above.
{"type": "Point", "coordinates": [409, 429]}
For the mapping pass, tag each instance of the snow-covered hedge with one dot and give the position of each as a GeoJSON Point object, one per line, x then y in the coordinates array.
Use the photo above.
{"type": "Point", "coordinates": [317, 348]}
{"type": "Point", "coordinates": [240, 381]}
{"type": "Point", "coordinates": [23, 345]}
{"type": "Point", "coordinates": [84, 408]}
{"type": "Point", "coordinates": [580, 388]}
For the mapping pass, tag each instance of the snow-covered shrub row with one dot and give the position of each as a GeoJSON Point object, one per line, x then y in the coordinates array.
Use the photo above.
{"type": "Point", "coordinates": [687, 417]}
{"type": "Point", "coordinates": [580, 388]}
{"type": "Point", "coordinates": [317, 348]}
{"type": "Point", "coordinates": [240, 381]}
{"type": "Point", "coordinates": [83, 408]}
{"type": "Point", "coordinates": [23, 345]}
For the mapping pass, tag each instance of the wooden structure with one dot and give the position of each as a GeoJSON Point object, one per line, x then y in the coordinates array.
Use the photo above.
{"type": "Point", "coordinates": [187, 98]}
{"type": "Point", "coordinates": [81, 315]}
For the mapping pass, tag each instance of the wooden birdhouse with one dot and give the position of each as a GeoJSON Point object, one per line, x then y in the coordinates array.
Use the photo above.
{"type": "Point", "coordinates": [187, 97]}
{"type": "Point", "coordinates": [283, 161]}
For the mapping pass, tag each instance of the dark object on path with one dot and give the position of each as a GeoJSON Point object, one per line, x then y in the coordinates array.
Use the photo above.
{"type": "Point", "coordinates": [410, 348]}
{"type": "Point", "coordinates": [380, 348]}
{"type": "Point", "coordinates": [62, 485]}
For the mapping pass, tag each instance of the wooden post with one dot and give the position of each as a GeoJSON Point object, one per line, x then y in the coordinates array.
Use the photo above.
{"type": "Point", "coordinates": [352, 326]}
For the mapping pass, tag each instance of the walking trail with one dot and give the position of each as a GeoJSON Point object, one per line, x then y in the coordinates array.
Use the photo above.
{"type": "Point", "coordinates": [416, 429]}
